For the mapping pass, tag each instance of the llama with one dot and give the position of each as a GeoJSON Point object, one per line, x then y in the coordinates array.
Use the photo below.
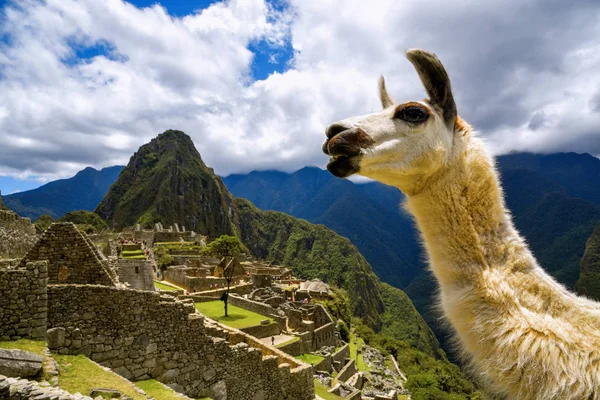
{"type": "Point", "coordinates": [524, 333]}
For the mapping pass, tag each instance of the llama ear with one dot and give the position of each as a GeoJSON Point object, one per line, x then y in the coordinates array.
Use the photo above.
{"type": "Point", "coordinates": [386, 100]}
{"type": "Point", "coordinates": [436, 81]}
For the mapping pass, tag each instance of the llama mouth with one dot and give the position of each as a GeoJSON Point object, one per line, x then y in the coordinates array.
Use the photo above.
{"type": "Point", "coordinates": [344, 166]}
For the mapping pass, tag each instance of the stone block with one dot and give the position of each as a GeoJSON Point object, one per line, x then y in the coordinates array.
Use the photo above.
{"type": "Point", "coordinates": [105, 393]}
{"type": "Point", "coordinates": [20, 363]}
{"type": "Point", "coordinates": [124, 372]}
{"type": "Point", "coordinates": [169, 375]}
{"type": "Point", "coordinates": [209, 374]}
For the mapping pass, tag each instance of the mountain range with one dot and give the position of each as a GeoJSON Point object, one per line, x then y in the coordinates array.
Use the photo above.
{"type": "Point", "coordinates": [81, 192]}
{"type": "Point", "coordinates": [554, 201]}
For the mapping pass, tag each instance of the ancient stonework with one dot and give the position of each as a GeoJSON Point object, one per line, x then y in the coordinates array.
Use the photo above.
{"type": "Point", "coordinates": [137, 274]}
{"type": "Point", "coordinates": [21, 389]}
{"type": "Point", "coordinates": [17, 235]}
{"type": "Point", "coordinates": [144, 334]}
{"type": "Point", "coordinates": [72, 257]}
{"type": "Point", "coordinates": [23, 300]}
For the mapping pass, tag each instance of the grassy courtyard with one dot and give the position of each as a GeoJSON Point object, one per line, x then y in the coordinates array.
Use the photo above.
{"type": "Point", "coordinates": [322, 391]}
{"type": "Point", "coordinates": [311, 359]}
{"type": "Point", "coordinates": [163, 286]}
{"type": "Point", "coordinates": [237, 318]}
{"type": "Point", "coordinates": [34, 346]}
{"type": "Point", "coordinates": [156, 390]}
{"type": "Point", "coordinates": [79, 374]}
{"type": "Point", "coordinates": [133, 254]}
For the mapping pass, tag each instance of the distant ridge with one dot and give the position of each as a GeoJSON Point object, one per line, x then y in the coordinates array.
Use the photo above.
{"type": "Point", "coordinates": [81, 192]}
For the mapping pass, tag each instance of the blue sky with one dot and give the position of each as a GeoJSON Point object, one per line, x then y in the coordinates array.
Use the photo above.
{"type": "Point", "coordinates": [266, 61]}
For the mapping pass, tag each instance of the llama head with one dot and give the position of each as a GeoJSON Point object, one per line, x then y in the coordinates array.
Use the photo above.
{"type": "Point", "coordinates": [404, 144]}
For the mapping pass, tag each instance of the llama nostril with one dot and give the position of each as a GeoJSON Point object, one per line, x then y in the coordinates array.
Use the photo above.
{"type": "Point", "coordinates": [325, 149]}
{"type": "Point", "coordinates": [336, 128]}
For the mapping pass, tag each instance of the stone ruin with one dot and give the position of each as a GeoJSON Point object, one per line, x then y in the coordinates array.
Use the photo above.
{"type": "Point", "coordinates": [17, 235]}
{"type": "Point", "coordinates": [72, 257]}
{"type": "Point", "coordinates": [65, 290]}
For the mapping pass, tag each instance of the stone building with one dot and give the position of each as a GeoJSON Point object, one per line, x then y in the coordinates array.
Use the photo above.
{"type": "Point", "coordinates": [17, 235]}
{"type": "Point", "coordinates": [72, 257]}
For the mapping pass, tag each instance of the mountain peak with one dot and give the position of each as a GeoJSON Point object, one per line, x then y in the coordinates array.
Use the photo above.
{"type": "Point", "coordinates": [166, 181]}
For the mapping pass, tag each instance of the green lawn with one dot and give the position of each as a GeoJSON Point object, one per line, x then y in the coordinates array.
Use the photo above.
{"type": "Point", "coordinates": [311, 359]}
{"type": "Point", "coordinates": [292, 340]}
{"type": "Point", "coordinates": [133, 254]}
{"type": "Point", "coordinates": [322, 391]}
{"type": "Point", "coordinates": [163, 286]}
{"type": "Point", "coordinates": [79, 374]}
{"type": "Point", "coordinates": [355, 344]}
{"type": "Point", "coordinates": [34, 346]}
{"type": "Point", "coordinates": [237, 318]}
{"type": "Point", "coordinates": [177, 246]}
{"type": "Point", "coordinates": [157, 390]}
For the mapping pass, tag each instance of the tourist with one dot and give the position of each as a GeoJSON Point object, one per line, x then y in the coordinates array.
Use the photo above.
{"type": "Point", "coordinates": [272, 340]}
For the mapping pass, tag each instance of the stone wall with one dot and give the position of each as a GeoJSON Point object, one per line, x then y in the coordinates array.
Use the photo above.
{"type": "Point", "coordinates": [72, 257]}
{"type": "Point", "coordinates": [139, 274]}
{"type": "Point", "coordinates": [346, 372]}
{"type": "Point", "coordinates": [143, 334]}
{"type": "Point", "coordinates": [251, 305]}
{"type": "Point", "coordinates": [324, 365]}
{"type": "Point", "coordinates": [21, 389]}
{"type": "Point", "coordinates": [325, 336]}
{"type": "Point", "coordinates": [23, 300]}
{"type": "Point", "coordinates": [17, 235]}
{"type": "Point", "coordinates": [262, 331]}
{"type": "Point", "coordinates": [339, 357]}
{"type": "Point", "coordinates": [320, 316]}
{"type": "Point", "coordinates": [184, 277]}
{"type": "Point", "coordinates": [174, 236]}
{"type": "Point", "coordinates": [294, 349]}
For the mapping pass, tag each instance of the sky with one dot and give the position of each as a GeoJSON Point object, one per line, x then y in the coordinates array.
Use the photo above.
{"type": "Point", "coordinates": [256, 82]}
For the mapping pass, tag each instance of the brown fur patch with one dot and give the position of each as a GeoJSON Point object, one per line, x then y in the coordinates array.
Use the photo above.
{"type": "Point", "coordinates": [363, 139]}
{"type": "Point", "coordinates": [461, 126]}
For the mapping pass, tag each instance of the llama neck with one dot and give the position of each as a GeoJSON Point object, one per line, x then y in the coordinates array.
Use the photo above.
{"type": "Point", "coordinates": [462, 218]}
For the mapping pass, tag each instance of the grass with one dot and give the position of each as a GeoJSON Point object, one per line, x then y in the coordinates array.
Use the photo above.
{"type": "Point", "coordinates": [158, 244]}
{"type": "Point", "coordinates": [311, 359]}
{"type": "Point", "coordinates": [155, 389]}
{"type": "Point", "coordinates": [177, 246]}
{"type": "Point", "coordinates": [322, 391]}
{"type": "Point", "coordinates": [163, 286]}
{"type": "Point", "coordinates": [292, 340]}
{"type": "Point", "coordinates": [237, 318]}
{"type": "Point", "coordinates": [80, 374]}
{"type": "Point", "coordinates": [133, 254]}
{"type": "Point", "coordinates": [355, 344]}
{"type": "Point", "coordinates": [34, 346]}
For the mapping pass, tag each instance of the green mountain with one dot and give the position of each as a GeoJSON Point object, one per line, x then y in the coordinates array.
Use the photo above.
{"type": "Point", "coordinates": [553, 199]}
{"type": "Point", "coordinates": [388, 319]}
{"type": "Point", "coordinates": [81, 192]}
{"type": "Point", "coordinates": [166, 181]}
{"type": "Point", "coordinates": [589, 275]}
{"type": "Point", "coordinates": [369, 214]}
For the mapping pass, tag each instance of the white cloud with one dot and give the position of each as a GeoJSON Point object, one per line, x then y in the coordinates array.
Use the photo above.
{"type": "Point", "coordinates": [524, 73]}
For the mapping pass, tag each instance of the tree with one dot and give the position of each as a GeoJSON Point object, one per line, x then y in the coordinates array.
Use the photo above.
{"type": "Point", "coordinates": [226, 247]}
{"type": "Point", "coordinates": [43, 222]}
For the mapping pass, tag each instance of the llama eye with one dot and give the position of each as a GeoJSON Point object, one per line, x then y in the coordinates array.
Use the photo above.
{"type": "Point", "coordinates": [412, 114]}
